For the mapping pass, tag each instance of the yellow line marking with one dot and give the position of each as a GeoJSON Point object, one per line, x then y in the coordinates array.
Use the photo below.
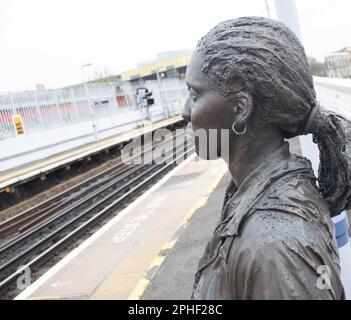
{"type": "Point", "coordinates": [169, 245]}
{"type": "Point", "coordinates": [143, 283]}
{"type": "Point", "coordinates": [199, 204]}
{"type": "Point", "coordinates": [217, 180]}
{"type": "Point", "coordinates": [157, 262]}
{"type": "Point", "coordinates": [75, 296]}
{"type": "Point", "coordinates": [139, 289]}
{"type": "Point", "coordinates": [46, 277]}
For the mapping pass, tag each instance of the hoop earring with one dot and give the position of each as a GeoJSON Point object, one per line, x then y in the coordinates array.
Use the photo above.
{"type": "Point", "coordinates": [237, 132]}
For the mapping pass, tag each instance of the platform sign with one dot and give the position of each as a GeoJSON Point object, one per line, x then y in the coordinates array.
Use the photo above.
{"type": "Point", "coordinates": [18, 123]}
{"type": "Point", "coordinates": [101, 102]}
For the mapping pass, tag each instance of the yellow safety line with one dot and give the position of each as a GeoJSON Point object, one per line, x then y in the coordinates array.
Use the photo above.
{"type": "Point", "coordinates": [139, 289]}
{"type": "Point", "coordinates": [169, 245]}
{"type": "Point", "coordinates": [143, 283]}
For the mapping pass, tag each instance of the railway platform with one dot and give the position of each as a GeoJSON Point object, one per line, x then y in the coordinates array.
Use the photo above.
{"type": "Point", "coordinates": [151, 249]}
{"type": "Point", "coordinates": [22, 174]}
{"type": "Point", "coordinates": [124, 258]}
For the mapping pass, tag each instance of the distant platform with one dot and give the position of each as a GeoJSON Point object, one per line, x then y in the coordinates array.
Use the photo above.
{"type": "Point", "coordinates": [27, 172]}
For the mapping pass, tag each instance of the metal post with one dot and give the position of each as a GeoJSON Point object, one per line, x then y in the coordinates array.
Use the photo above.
{"type": "Point", "coordinates": [74, 103]}
{"type": "Point", "coordinates": [268, 9]}
{"type": "Point", "coordinates": [287, 13]}
{"type": "Point", "coordinates": [37, 107]}
{"type": "Point", "coordinates": [14, 110]}
{"type": "Point", "coordinates": [92, 117]}
{"type": "Point", "coordinates": [112, 99]}
{"type": "Point", "coordinates": [57, 104]}
{"type": "Point", "coordinates": [164, 103]}
{"type": "Point", "coordinates": [112, 110]}
{"type": "Point", "coordinates": [126, 96]}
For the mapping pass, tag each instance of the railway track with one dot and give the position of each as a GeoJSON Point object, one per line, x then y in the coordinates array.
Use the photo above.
{"type": "Point", "coordinates": [26, 219]}
{"type": "Point", "coordinates": [51, 226]}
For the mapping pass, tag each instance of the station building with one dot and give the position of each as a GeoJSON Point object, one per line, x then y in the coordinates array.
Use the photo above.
{"type": "Point", "coordinates": [338, 64]}
{"type": "Point", "coordinates": [169, 64]}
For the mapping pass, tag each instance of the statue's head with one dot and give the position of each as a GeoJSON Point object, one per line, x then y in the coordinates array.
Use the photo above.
{"type": "Point", "coordinates": [256, 63]}
{"type": "Point", "coordinates": [251, 74]}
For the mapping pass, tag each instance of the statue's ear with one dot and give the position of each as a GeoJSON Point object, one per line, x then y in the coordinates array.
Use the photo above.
{"type": "Point", "coordinates": [243, 107]}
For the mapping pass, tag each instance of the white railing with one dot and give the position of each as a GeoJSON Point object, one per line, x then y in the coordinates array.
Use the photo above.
{"type": "Point", "coordinates": [47, 109]}
{"type": "Point", "coordinates": [334, 94]}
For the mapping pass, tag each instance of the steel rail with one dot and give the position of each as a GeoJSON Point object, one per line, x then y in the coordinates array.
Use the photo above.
{"type": "Point", "coordinates": [44, 256]}
{"type": "Point", "coordinates": [53, 203]}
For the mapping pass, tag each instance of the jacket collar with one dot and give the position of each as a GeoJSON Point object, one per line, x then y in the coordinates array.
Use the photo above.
{"type": "Point", "coordinates": [257, 183]}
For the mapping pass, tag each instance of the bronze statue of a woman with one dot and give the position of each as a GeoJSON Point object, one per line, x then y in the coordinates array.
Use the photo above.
{"type": "Point", "coordinates": [275, 237]}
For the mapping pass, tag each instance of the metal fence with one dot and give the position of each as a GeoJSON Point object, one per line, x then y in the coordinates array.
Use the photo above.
{"type": "Point", "coordinates": [47, 109]}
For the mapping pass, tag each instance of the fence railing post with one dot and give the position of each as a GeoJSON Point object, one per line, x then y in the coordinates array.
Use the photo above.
{"type": "Point", "coordinates": [92, 115]}
{"type": "Point", "coordinates": [57, 105]}
{"type": "Point", "coordinates": [14, 110]}
{"type": "Point", "coordinates": [38, 110]}
{"type": "Point", "coordinates": [46, 109]}
{"type": "Point", "coordinates": [74, 103]}
{"type": "Point", "coordinates": [129, 105]}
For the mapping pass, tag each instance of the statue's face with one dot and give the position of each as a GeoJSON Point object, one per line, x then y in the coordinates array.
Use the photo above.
{"type": "Point", "coordinates": [205, 108]}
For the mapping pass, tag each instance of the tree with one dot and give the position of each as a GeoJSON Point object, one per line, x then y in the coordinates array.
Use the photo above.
{"type": "Point", "coordinates": [103, 75]}
{"type": "Point", "coordinates": [317, 68]}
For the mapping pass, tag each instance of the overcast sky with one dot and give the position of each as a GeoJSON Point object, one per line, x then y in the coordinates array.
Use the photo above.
{"type": "Point", "coordinates": [47, 41]}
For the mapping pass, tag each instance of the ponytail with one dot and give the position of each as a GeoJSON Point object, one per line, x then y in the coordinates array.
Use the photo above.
{"type": "Point", "coordinates": [265, 58]}
{"type": "Point", "coordinates": [332, 133]}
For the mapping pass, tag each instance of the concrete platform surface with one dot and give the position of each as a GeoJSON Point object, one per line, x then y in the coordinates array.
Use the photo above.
{"type": "Point", "coordinates": [121, 259]}
{"type": "Point", "coordinates": [174, 281]}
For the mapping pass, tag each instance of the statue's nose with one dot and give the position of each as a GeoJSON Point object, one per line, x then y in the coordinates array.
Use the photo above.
{"type": "Point", "coordinates": [186, 113]}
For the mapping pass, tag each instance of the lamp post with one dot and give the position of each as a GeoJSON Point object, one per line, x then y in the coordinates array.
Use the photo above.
{"type": "Point", "coordinates": [86, 90]}
{"type": "Point", "coordinates": [268, 9]}
{"type": "Point", "coordinates": [165, 100]}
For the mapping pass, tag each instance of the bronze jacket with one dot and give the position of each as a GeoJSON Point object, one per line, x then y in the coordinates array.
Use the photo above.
{"type": "Point", "coordinates": [275, 239]}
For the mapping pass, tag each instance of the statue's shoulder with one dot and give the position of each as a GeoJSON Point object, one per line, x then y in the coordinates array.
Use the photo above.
{"type": "Point", "coordinates": [292, 211]}
{"type": "Point", "coordinates": [297, 197]}
{"type": "Point", "coordinates": [290, 226]}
